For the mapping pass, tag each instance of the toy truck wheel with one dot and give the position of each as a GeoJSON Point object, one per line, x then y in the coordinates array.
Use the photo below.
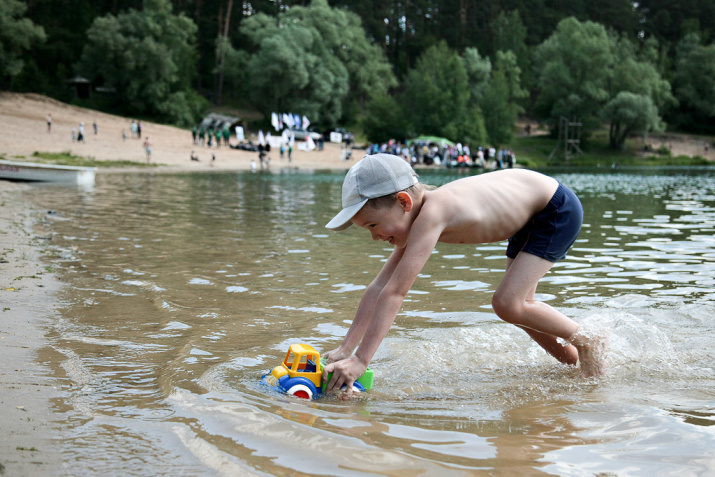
{"type": "Point", "coordinates": [301, 391]}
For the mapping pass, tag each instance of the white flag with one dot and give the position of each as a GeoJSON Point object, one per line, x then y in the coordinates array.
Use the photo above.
{"type": "Point", "coordinates": [239, 133]}
{"type": "Point", "coordinates": [261, 139]}
{"type": "Point", "coordinates": [306, 123]}
{"type": "Point", "coordinates": [274, 121]}
{"type": "Point", "coordinates": [288, 120]}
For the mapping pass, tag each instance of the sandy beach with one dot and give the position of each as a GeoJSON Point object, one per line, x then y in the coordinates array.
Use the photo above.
{"type": "Point", "coordinates": [22, 117]}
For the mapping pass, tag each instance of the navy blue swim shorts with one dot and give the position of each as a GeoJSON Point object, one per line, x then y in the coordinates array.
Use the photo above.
{"type": "Point", "coordinates": [551, 232]}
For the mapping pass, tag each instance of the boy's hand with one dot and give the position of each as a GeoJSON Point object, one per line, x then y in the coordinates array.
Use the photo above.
{"type": "Point", "coordinates": [335, 355]}
{"type": "Point", "coordinates": [345, 372]}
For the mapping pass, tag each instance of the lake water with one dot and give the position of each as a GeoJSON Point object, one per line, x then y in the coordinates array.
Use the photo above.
{"type": "Point", "coordinates": [183, 289]}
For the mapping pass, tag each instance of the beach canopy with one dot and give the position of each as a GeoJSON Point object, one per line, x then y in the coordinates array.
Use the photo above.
{"type": "Point", "coordinates": [433, 139]}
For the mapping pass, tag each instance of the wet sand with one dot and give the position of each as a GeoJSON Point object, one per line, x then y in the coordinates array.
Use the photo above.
{"type": "Point", "coordinates": [29, 441]}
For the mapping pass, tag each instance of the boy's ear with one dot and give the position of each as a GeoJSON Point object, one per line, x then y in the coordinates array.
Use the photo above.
{"type": "Point", "coordinates": [405, 201]}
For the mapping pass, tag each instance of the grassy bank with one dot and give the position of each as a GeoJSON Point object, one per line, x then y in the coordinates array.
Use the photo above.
{"type": "Point", "coordinates": [534, 151]}
{"type": "Point", "coordinates": [66, 158]}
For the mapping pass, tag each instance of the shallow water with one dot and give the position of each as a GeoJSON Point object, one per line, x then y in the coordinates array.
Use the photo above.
{"type": "Point", "coordinates": [184, 289]}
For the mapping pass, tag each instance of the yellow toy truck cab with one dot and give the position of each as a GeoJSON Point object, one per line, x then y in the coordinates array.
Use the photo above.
{"type": "Point", "coordinates": [301, 373]}
{"type": "Point", "coordinates": [301, 360]}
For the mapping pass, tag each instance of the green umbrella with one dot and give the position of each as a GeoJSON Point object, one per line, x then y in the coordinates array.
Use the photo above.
{"type": "Point", "coordinates": [433, 139]}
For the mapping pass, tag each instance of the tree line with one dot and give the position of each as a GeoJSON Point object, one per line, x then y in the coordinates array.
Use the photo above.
{"type": "Point", "coordinates": [462, 69]}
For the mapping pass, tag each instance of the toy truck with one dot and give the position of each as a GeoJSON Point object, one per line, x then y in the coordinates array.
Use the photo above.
{"type": "Point", "coordinates": [301, 374]}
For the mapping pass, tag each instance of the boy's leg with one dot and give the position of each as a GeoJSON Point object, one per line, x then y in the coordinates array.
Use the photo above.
{"type": "Point", "coordinates": [514, 303]}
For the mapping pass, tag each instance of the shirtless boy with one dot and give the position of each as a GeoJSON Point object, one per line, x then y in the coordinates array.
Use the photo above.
{"type": "Point", "coordinates": [539, 216]}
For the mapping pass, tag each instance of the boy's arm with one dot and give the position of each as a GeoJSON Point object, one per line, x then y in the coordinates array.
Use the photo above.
{"type": "Point", "coordinates": [422, 240]}
{"type": "Point", "coordinates": [366, 309]}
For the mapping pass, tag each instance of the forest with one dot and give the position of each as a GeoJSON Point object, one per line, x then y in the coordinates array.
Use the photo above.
{"type": "Point", "coordinates": [461, 69]}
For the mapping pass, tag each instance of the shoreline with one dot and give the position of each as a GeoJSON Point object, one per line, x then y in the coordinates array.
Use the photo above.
{"type": "Point", "coordinates": [25, 132]}
{"type": "Point", "coordinates": [29, 443]}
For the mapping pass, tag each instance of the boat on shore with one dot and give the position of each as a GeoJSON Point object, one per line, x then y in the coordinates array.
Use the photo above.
{"type": "Point", "coordinates": [35, 172]}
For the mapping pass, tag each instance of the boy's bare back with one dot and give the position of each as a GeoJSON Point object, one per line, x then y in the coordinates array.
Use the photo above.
{"type": "Point", "coordinates": [485, 208]}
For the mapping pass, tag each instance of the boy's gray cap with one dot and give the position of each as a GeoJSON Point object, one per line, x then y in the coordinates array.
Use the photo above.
{"type": "Point", "coordinates": [374, 176]}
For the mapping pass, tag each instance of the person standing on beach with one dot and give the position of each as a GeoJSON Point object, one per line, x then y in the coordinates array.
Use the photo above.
{"type": "Point", "coordinates": [80, 132]}
{"type": "Point", "coordinates": [49, 123]}
{"type": "Point", "coordinates": [147, 148]}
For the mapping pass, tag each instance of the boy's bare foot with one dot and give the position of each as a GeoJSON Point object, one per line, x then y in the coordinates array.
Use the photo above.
{"type": "Point", "coordinates": [592, 346]}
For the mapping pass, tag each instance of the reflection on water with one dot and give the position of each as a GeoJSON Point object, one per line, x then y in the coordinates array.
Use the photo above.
{"type": "Point", "coordinates": [184, 289]}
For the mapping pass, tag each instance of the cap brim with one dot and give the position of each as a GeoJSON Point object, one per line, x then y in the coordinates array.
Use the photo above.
{"type": "Point", "coordinates": [342, 220]}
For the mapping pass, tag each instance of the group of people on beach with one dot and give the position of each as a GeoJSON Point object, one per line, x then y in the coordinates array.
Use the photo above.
{"type": "Point", "coordinates": [210, 137]}
{"type": "Point", "coordinates": [448, 155]}
{"type": "Point", "coordinates": [77, 133]}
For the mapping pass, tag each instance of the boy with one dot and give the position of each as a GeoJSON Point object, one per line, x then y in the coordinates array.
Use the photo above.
{"type": "Point", "coordinates": [539, 216]}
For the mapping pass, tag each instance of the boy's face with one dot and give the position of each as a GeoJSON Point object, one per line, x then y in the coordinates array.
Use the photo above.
{"type": "Point", "coordinates": [391, 224]}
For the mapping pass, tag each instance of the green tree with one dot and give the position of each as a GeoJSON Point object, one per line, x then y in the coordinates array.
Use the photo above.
{"type": "Point", "coordinates": [630, 113]}
{"type": "Point", "coordinates": [695, 84]}
{"type": "Point", "coordinates": [436, 94]}
{"type": "Point", "coordinates": [501, 103]}
{"type": "Point", "coordinates": [635, 71]}
{"type": "Point", "coordinates": [234, 68]}
{"type": "Point", "coordinates": [149, 58]}
{"type": "Point", "coordinates": [573, 67]}
{"type": "Point", "coordinates": [478, 70]}
{"type": "Point", "coordinates": [384, 119]}
{"type": "Point", "coordinates": [312, 60]}
{"type": "Point", "coordinates": [510, 35]}
{"type": "Point", "coordinates": [637, 91]}
{"type": "Point", "coordinates": [670, 21]}
{"type": "Point", "coordinates": [17, 34]}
